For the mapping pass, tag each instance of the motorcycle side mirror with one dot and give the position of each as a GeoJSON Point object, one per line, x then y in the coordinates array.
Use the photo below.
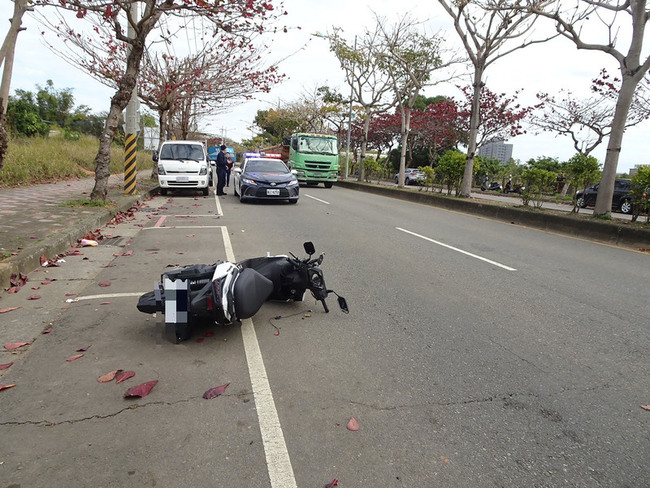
{"type": "Point", "coordinates": [309, 247]}
{"type": "Point", "coordinates": [344, 305]}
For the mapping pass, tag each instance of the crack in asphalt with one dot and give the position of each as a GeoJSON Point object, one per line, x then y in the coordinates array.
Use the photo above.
{"type": "Point", "coordinates": [47, 423]}
{"type": "Point", "coordinates": [518, 356]}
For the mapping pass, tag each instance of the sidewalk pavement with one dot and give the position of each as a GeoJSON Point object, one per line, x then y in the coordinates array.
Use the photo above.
{"type": "Point", "coordinates": [35, 220]}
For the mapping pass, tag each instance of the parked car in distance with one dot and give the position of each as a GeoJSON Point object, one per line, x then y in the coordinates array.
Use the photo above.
{"type": "Point", "coordinates": [621, 201]}
{"type": "Point", "coordinates": [183, 165]}
{"type": "Point", "coordinates": [265, 179]}
{"type": "Point", "coordinates": [412, 176]}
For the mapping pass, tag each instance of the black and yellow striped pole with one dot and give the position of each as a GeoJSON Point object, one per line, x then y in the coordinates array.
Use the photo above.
{"type": "Point", "coordinates": [130, 166]}
{"type": "Point", "coordinates": [132, 126]}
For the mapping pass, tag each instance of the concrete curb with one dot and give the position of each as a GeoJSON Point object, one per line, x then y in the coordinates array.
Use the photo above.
{"type": "Point", "coordinates": [29, 258]}
{"type": "Point", "coordinates": [614, 233]}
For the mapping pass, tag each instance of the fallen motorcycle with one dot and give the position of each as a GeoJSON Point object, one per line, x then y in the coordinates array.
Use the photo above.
{"type": "Point", "coordinates": [227, 293]}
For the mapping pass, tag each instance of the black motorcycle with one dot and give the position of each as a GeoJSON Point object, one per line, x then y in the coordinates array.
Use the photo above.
{"type": "Point", "coordinates": [226, 293]}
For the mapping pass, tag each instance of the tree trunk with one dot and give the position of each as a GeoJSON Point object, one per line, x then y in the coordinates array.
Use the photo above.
{"type": "Point", "coordinates": [468, 175]}
{"type": "Point", "coordinates": [406, 125]}
{"type": "Point", "coordinates": [9, 47]}
{"type": "Point", "coordinates": [606, 190]}
{"type": "Point", "coordinates": [364, 143]}
{"type": "Point", "coordinates": [119, 102]}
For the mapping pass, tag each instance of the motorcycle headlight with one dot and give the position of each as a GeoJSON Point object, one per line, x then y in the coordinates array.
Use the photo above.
{"type": "Point", "coordinates": [316, 279]}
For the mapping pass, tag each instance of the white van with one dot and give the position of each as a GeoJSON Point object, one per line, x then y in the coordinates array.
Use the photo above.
{"type": "Point", "coordinates": [183, 165]}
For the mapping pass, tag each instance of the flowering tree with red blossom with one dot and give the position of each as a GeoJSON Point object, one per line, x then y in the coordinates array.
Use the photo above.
{"type": "Point", "coordinates": [501, 117]}
{"type": "Point", "coordinates": [436, 127]}
{"type": "Point", "coordinates": [131, 22]}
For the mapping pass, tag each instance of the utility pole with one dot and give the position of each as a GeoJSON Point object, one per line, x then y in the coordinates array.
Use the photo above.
{"type": "Point", "coordinates": [132, 125]}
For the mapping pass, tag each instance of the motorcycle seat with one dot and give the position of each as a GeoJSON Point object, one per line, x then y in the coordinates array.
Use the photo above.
{"type": "Point", "coordinates": [250, 292]}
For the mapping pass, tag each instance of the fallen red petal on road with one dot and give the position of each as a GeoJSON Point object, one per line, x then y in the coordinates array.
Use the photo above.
{"type": "Point", "coordinates": [46, 331]}
{"type": "Point", "coordinates": [645, 407]}
{"type": "Point", "coordinates": [6, 387]}
{"type": "Point", "coordinates": [84, 349]}
{"type": "Point", "coordinates": [5, 366]}
{"type": "Point", "coordinates": [10, 309]}
{"type": "Point", "coordinates": [34, 297]}
{"type": "Point", "coordinates": [141, 390]}
{"type": "Point", "coordinates": [104, 283]}
{"type": "Point", "coordinates": [10, 346]}
{"type": "Point", "coordinates": [353, 425]}
{"type": "Point", "coordinates": [124, 375]}
{"type": "Point", "coordinates": [215, 392]}
{"type": "Point", "coordinates": [108, 376]}
{"type": "Point", "coordinates": [74, 358]}
{"type": "Point", "coordinates": [36, 287]}
{"type": "Point", "coordinates": [334, 482]}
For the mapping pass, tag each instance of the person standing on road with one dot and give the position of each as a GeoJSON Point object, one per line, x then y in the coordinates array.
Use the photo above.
{"type": "Point", "coordinates": [221, 170]}
{"type": "Point", "coordinates": [229, 165]}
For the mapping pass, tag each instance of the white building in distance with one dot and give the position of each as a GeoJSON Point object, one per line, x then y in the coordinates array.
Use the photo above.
{"type": "Point", "coordinates": [496, 149]}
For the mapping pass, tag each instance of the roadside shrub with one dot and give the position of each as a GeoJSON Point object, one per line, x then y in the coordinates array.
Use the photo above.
{"type": "Point", "coordinates": [372, 169]}
{"type": "Point", "coordinates": [538, 182]}
{"type": "Point", "coordinates": [429, 174]}
{"type": "Point", "coordinates": [451, 168]}
{"type": "Point", "coordinates": [640, 193]}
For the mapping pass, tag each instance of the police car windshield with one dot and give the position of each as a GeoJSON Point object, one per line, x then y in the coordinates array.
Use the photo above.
{"type": "Point", "coordinates": [266, 166]}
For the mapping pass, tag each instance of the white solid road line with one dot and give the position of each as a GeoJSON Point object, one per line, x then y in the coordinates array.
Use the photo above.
{"type": "Point", "coordinates": [503, 266]}
{"type": "Point", "coordinates": [107, 295]}
{"type": "Point", "coordinates": [277, 457]}
{"type": "Point", "coordinates": [317, 199]}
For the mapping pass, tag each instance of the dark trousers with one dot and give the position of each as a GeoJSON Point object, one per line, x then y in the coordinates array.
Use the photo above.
{"type": "Point", "coordinates": [221, 180]}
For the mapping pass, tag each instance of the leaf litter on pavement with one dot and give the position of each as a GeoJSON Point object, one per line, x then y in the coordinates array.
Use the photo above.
{"type": "Point", "coordinates": [140, 391]}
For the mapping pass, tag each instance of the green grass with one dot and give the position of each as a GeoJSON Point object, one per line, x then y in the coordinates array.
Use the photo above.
{"type": "Point", "coordinates": [87, 203]}
{"type": "Point", "coordinates": [45, 159]}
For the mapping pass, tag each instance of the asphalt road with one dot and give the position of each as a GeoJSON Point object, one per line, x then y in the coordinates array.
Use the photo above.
{"type": "Point", "coordinates": [475, 354]}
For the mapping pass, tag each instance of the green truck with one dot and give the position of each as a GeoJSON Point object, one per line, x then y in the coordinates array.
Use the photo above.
{"type": "Point", "coordinates": [314, 157]}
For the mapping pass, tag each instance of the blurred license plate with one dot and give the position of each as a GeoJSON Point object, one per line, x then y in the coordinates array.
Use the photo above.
{"type": "Point", "coordinates": [182, 178]}
{"type": "Point", "coordinates": [275, 192]}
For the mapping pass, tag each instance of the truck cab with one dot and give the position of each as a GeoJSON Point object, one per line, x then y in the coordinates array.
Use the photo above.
{"type": "Point", "coordinates": [315, 158]}
{"type": "Point", "coordinates": [183, 165]}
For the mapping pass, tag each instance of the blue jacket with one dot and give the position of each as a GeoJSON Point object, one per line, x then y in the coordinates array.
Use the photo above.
{"type": "Point", "coordinates": [221, 160]}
